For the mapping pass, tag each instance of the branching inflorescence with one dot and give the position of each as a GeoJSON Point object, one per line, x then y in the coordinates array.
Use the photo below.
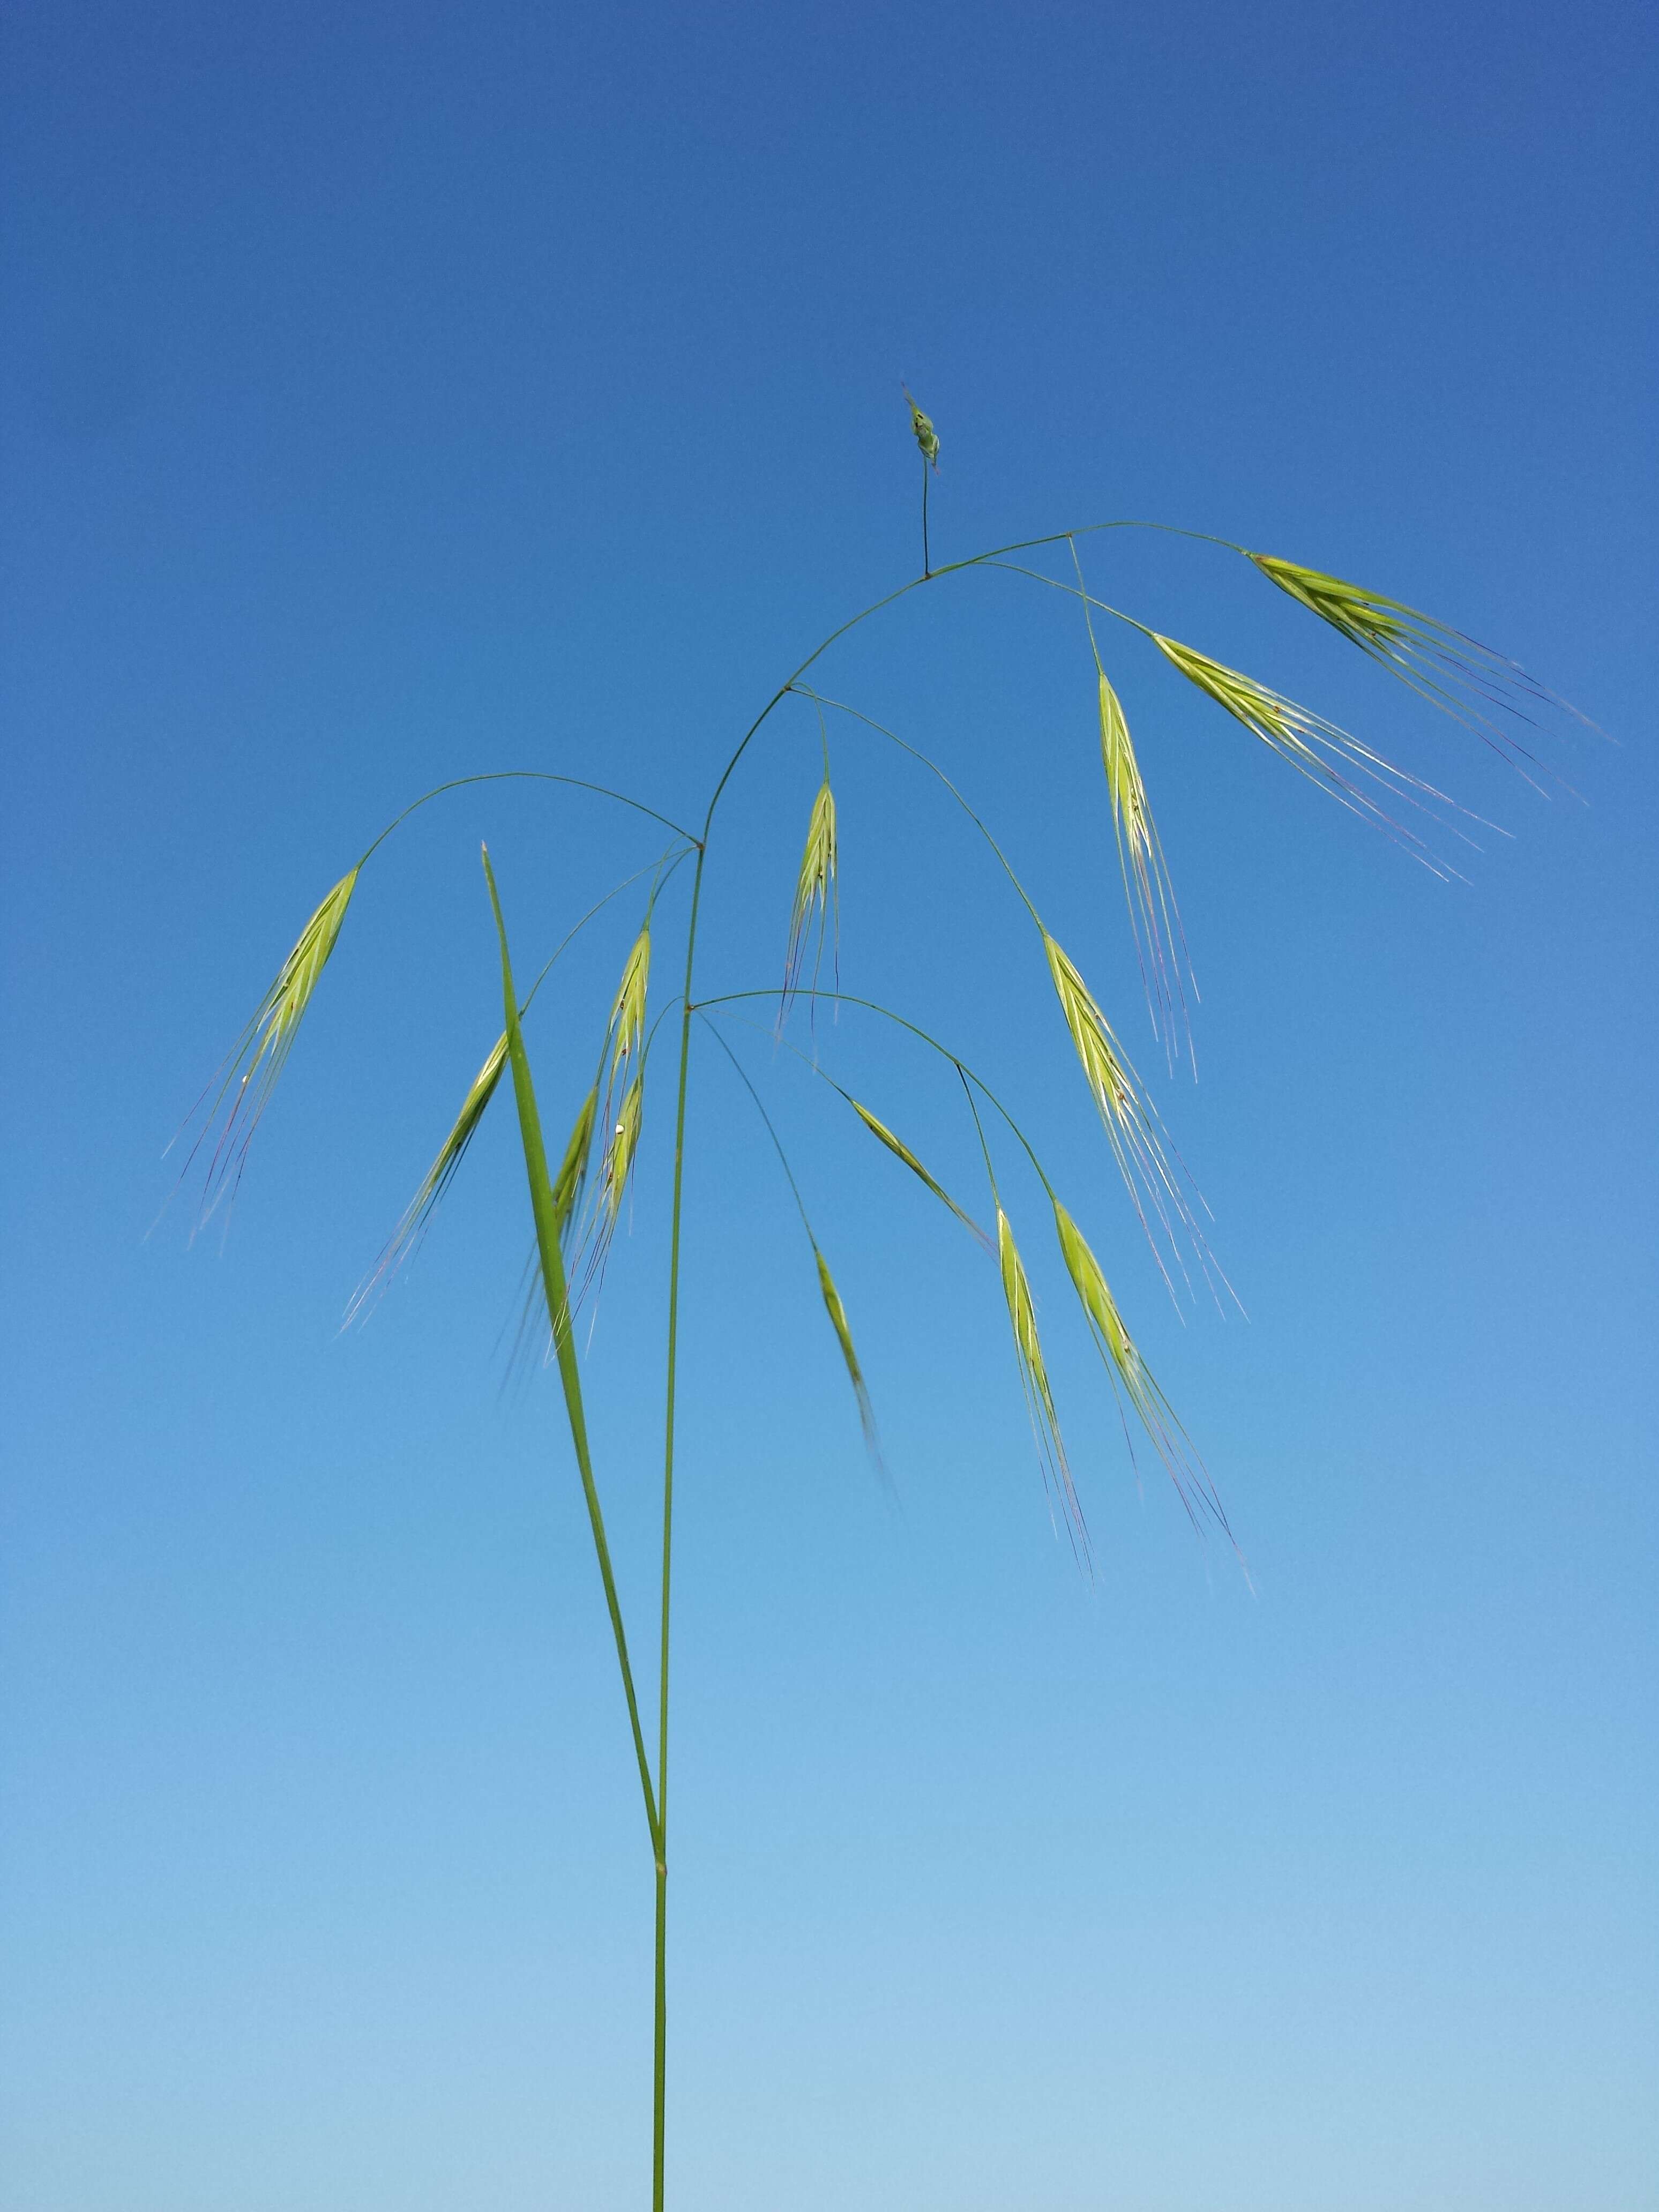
{"type": "Point", "coordinates": [575, 1206]}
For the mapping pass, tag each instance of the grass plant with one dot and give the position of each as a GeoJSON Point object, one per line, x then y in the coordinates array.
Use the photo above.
{"type": "Point", "coordinates": [575, 1208]}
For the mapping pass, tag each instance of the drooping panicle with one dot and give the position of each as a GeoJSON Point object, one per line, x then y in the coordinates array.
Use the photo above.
{"type": "Point", "coordinates": [249, 1075]}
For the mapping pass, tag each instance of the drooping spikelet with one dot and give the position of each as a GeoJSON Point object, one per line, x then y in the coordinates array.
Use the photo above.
{"type": "Point", "coordinates": [1130, 1125]}
{"type": "Point", "coordinates": [627, 1029]}
{"type": "Point", "coordinates": [1130, 1377]}
{"type": "Point", "coordinates": [620, 1103]}
{"type": "Point", "coordinates": [621, 1145]}
{"type": "Point", "coordinates": [1312, 745]}
{"type": "Point", "coordinates": [535, 1328]}
{"type": "Point", "coordinates": [900, 1150]}
{"type": "Point", "coordinates": [571, 1180]}
{"type": "Point", "coordinates": [1033, 1380]}
{"type": "Point", "coordinates": [1160, 946]}
{"type": "Point", "coordinates": [419, 1211]}
{"type": "Point", "coordinates": [1422, 651]}
{"type": "Point", "coordinates": [837, 1313]}
{"type": "Point", "coordinates": [250, 1074]}
{"type": "Point", "coordinates": [814, 914]}
{"type": "Point", "coordinates": [1375, 625]}
{"type": "Point", "coordinates": [615, 1105]}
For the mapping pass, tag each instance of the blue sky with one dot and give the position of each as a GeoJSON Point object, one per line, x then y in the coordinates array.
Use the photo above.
{"type": "Point", "coordinates": [394, 394]}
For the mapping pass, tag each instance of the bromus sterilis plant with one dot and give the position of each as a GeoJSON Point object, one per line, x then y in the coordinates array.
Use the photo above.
{"type": "Point", "coordinates": [634, 1086]}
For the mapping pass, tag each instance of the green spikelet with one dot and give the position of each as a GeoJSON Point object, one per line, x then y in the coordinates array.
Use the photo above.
{"type": "Point", "coordinates": [1147, 889]}
{"type": "Point", "coordinates": [922, 429]}
{"type": "Point", "coordinates": [249, 1075]}
{"type": "Point", "coordinates": [1033, 1380]}
{"type": "Point", "coordinates": [837, 1313]}
{"type": "Point", "coordinates": [1130, 1377]}
{"type": "Point", "coordinates": [813, 915]}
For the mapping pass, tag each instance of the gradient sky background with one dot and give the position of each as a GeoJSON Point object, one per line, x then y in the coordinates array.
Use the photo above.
{"type": "Point", "coordinates": [396, 392]}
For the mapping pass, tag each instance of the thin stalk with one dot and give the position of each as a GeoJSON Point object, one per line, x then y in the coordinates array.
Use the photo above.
{"type": "Point", "coordinates": [821, 700]}
{"type": "Point", "coordinates": [926, 570]}
{"type": "Point", "coordinates": [874, 1006]}
{"type": "Point", "coordinates": [660, 2043]}
{"type": "Point", "coordinates": [770, 1126]}
{"type": "Point", "coordinates": [659, 2037]}
{"type": "Point", "coordinates": [950, 568]}
{"type": "Point", "coordinates": [1075, 591]}
{"type": "Point", "coordinates": [530, 775]}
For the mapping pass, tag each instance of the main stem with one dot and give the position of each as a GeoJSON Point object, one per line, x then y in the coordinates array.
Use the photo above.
{"type": "Point", "coordinates": [659, 2037]}
{"type": "Point", "coordinates": [660, 2041]}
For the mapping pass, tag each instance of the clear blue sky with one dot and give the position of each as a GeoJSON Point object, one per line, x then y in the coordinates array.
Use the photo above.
{"type": "Point", "coordinates": [396, 393]}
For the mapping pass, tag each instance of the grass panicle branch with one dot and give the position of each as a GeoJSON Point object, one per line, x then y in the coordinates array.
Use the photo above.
{"type": "Point", "coordinates": [831, 1296]}
{"type": "Point", "coordinates": [915, 753]}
